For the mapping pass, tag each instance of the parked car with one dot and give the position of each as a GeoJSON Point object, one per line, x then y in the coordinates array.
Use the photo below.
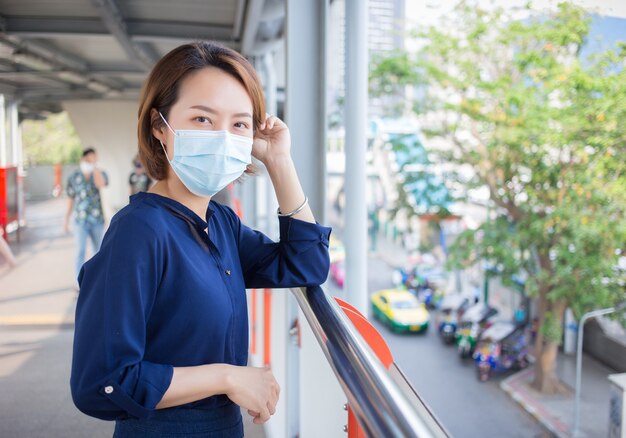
{"type": "Point", "coordinates": [400, 310]}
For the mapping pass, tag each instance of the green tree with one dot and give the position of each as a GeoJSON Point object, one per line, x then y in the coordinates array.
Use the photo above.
{"type": "Point", "coordinates": [50, 141]}
{"type": "Point", "coordinates": [543, 130]}
{"type": "Point", "coordinates": [420, 191]}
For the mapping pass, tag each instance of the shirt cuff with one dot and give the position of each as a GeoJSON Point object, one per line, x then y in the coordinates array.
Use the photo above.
{"type": "Point", "coordinates": [296, 230]}
{"type": "Point", "coordinates": [153, 382]}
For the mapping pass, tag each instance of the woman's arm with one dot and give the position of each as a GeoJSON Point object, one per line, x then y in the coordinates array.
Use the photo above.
{"type": "Point", "coordinates": [68, 215]}
{"type": "Point", "coordinates": [289, 193]}
{"type": "Point", "coordinates": [100, 178]}
{"type": "Point", "coordinates": [110, 378]}
{"type": "Point", "coordinates": [254, 389]}
{"type": "Point", "coordinates": [272, 146]}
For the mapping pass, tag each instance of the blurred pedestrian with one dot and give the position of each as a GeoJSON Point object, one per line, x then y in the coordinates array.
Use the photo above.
{"type": "Point", "coordinates": [139, 181]}
{"type": "Point", "coordinates": [6, 253]}
{"type": "Point", "coordinates": [85, 205]}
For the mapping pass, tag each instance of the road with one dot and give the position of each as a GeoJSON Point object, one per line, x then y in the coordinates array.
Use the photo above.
{"type": "Point", "coordinates": [466, 407]}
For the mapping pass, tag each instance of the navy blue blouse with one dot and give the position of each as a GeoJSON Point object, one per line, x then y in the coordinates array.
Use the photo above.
{"type": "Point", "coordinates": [162, 293]}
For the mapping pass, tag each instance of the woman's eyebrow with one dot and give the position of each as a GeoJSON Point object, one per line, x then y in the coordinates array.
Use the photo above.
{"type": "Point", "coordinates": [212, 111]}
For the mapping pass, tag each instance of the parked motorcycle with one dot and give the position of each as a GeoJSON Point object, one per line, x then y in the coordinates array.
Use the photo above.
{"type": "Point", "coordinates": [451, 309]}
{"type": "Point", "coordinates": [426, 282]}
{"type": "Point", "coordinates": [501, 347]}
{"type": "Point", "coordinates": [472, 323]}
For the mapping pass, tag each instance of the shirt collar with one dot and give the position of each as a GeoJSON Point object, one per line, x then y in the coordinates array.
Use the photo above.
{"type": "Point", "coordinates": [179, 208]}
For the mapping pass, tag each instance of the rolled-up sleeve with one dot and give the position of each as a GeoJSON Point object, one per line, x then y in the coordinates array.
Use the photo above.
{"type": "Point", "coordinates": [109, 379]}
{"type": "Point", "coordinates": [299, 259]}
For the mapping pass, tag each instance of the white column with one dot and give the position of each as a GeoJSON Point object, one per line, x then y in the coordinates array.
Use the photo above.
{"type": "Point", "coordinates": [17, 157]}
{"type": "Point", "coordinates": [271, 203]}
{"type": "Point", "coordinates": [355, 235]}
{"type": "Point", "coordinates": [3, 133]}
{"type": "Point", "coordinates": [14, 129]}
{"type": "Point", "coordinates": [305, 100]}
{"type": "Point", "coordinates": [314, 398]}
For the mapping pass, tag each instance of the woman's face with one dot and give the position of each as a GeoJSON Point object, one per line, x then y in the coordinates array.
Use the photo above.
{"type": "Point", "coordinates": [209, 99]}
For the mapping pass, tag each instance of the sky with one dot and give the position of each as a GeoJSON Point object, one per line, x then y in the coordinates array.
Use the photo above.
{"type": "Point", "coordinates": [426, 12]}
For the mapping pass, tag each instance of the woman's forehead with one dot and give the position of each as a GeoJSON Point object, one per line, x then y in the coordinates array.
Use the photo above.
{"type": "Point", "coordinates": [214, 88]}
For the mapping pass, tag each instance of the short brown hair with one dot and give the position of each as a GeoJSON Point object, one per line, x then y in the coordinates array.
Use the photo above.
{"type": "Point", "coordinates": [160, 92]}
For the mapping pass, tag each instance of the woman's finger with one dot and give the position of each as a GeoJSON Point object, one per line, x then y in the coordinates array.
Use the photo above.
{"type": "Point", "coordinates": [262, 418]}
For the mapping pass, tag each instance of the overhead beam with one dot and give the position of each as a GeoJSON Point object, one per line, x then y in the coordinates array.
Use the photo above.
{"type": "Point", "coordinates": [54, 56]}
{"type": "Point", "coordinates": [141, 30]}
{"type": "Point", "coordinates": [273, 11]}
{"type": "Point", "coordinates": [239, 17]}
{"type": "Point", "coordinates": [114, 22]}
{"type": "Point", "coordinates": [45, 50]}
{"type": "Point", "coordinates": [115, 69]}
{"type": "Point", "coordinates": [137, 30]}
{"type": "Point", "coordinates": [260, 48]}
{"type": "Point", "coordinates": [7, 88]}
{"type": "Point", "coordinates": [51, 26]}
{"type": "Point", "coordinates": [251, 27]}
{"type": "Point", "coordinates": [51, 96]}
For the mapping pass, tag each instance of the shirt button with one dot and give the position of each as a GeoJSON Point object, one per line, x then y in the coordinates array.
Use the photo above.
{"type": "Point", "coordinates": [108, 389]}
{"type": "Point", "coordinates": [227, 271]}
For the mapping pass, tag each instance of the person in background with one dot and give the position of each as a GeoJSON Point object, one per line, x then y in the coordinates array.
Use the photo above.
{"type": "Point", "coordinates": [84, 203]}
{"type": "Point", "coordinates": [139, 181]}
{"type": "Point", "coordinates": [6, 253]}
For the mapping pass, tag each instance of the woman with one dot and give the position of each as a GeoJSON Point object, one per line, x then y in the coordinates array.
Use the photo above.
{"type": "Point", "coordinates": [161, 323]}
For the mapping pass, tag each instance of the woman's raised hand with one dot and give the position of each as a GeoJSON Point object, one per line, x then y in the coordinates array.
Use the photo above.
{"type": "Point", "coordinates": [254, 389]}
{"type": "Point", "coordinates": [272, 140]}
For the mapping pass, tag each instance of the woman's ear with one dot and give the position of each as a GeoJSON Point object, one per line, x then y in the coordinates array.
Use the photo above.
{"type": "Point", "coordinates": [158, 127]}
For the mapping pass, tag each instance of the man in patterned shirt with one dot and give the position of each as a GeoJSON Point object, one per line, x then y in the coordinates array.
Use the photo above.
{"type": "Point", "coordinates": [83, 191]}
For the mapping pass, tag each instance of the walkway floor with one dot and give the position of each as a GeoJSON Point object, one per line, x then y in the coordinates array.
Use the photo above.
{"type": "Point", "coordinates": [37, 302]}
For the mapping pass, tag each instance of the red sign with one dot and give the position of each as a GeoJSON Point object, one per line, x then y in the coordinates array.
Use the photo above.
{"type": "Point", "coordinates": [8, 196]}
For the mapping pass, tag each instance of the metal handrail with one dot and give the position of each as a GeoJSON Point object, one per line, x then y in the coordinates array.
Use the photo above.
{"type": "Point", "coordinates": [380, 405]}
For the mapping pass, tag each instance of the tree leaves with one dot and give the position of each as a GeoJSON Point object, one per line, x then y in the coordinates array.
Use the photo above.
{"type": "Point", "coordinates": [543, 130]}
{"type": "Point", "coordinates": [50, 141]}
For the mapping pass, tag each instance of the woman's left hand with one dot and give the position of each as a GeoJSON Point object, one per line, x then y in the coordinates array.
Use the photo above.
{"type": "Point", "coordinates": [272, 140]}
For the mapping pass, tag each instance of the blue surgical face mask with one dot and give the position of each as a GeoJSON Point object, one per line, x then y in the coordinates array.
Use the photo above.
{"type": "Point", "coordinates": [207, 161]}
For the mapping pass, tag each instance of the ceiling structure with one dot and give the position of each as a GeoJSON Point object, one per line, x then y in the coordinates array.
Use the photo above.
{"type": "Point", "coordinates": [56, 50]}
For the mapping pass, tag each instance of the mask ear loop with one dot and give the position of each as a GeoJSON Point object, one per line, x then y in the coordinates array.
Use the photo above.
{"type": "Point", "coordinates": [168, 125]}
{"type": "Point", "coordinates": [164, 151]}
{"type": "Point", "coordinates": [173, 132]}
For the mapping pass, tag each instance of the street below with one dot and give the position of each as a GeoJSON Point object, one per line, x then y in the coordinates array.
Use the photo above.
{"type": "Point", "coordinates": [464, 405]}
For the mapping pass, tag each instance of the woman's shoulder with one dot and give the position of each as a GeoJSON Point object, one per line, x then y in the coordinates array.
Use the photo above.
{"type": "Point", "coordinates": [140, 216]}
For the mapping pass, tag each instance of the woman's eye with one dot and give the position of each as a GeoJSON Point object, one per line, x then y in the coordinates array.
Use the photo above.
{"type": "Point", "coordinates": [203, 119]}
{"type": "Point", "coordinates": [241, 125]}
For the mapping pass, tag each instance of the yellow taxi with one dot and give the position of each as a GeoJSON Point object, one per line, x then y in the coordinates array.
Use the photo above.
{"type": "Point", "coordinates": [400, 310]}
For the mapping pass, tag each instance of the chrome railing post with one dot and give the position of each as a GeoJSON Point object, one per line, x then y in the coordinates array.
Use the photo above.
{"type": "Point", "coordinates": [379, 404]}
